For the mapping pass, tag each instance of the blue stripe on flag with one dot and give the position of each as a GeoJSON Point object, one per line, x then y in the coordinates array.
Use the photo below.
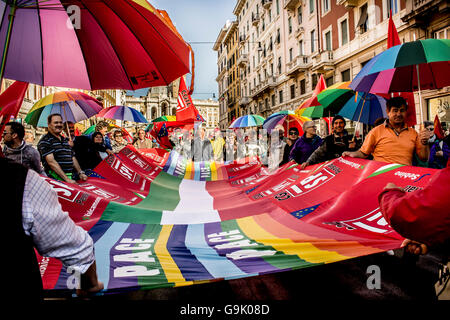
{"type": "Point", "coordinates": [218, 266]}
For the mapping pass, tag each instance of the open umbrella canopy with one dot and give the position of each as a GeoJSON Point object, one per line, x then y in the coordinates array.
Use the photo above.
{"type": "Point", "coordinates": [126, 135]}
{"type": "Point", "coordinates": [335, 96]}
{"type": "Point", "coordinates": [365, 108]}
{"type": "Point", "coordinates": [160, 119]}
{"type": "Point", "coordinates": [122, 113]}
{"type": "Point", "coordinates": [73, 106]}
{"type": "Point", "coordinates": [421, 64]}
{"type": "Point", "coordinates": [287, 118]}
{"type": "Point", "coordinates": [251, 120]}
{"type": "Point", "coordinates": [124, 44]}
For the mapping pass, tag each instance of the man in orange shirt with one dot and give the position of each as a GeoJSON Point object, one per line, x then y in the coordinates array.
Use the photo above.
{"type": "Point", "coordinates": [393, 141]}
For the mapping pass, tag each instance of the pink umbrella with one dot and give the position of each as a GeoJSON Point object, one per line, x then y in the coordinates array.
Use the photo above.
{"type": "Point", "coordinates": [124, 44]}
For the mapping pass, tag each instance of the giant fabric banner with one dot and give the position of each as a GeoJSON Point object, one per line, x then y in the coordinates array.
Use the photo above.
{"type": "Point", "coordinates": [159, 220]}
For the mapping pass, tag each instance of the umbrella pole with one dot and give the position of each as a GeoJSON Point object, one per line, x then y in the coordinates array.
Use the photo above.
{"type": "Point", "coordinates": [12, 14]}
{"type": "Point", "coordinates": [420, 96]}
{"type": "Point", "coordinates": [67, 124]}
{"type": "Point", "coordinates": [360, 112]}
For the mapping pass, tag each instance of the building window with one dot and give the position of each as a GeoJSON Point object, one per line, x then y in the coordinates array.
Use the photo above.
{"type": "Point", "coordinates": [280, 96]}
{"type": "Point", "coordinates": [279, 65]}
{"type": "Point", "coordinates": [291, 55]}
{"type": "Point", "coordinates": [302, 86]}
{"type": "Point", "coordinates": [292, 91]}
{"type": "Point", "coordinates": [363, 19]}
{"type": "Point", "coordinates": [442, 34]}
{"type": "Point", "coordinates": [278, 39]}
{"type": "Point", "coordinates": [300, 48]}
{"type": "Point", "coordinates": [273, 100]}
{"type": "Point", "coordinates": [313, 80]}
{"type": "Point", "coordinates": [344, 32]}
{"type": "Point", "coordinates": [326, 6]}
{"type": "Point", "coordinates": [345, 75]}
{"type": "Point", "coordinates": [392, 5]}
{"type": "Point", "coordinates": [329, 81]}
{"type": "Point", "coordinates": [313, 41]}
{"type": "Point", "coordinates": [290, 25]}
{"type": "Point", "coordinates": [299, 15]}
{"type": "Point", "coordinates": [328, 41]}
{"type": "Point", "coordinates": [311, 6]}
{"type": "Point", "coordinates": [278, 6]}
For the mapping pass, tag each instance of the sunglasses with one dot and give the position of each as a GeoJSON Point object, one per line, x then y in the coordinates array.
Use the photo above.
{"type": "Point", "coordinates": [293, 132]}
{"type": "Point", "coordinates": [431, 129]}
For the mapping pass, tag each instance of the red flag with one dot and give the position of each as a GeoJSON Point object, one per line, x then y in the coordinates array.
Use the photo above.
{"type": "Point", "coordinates": [394, 40]}
{"type": "Point", "coordinates": [186, 111]}
{"type": "Point", "coordinates": [320, 86]}
{"type": "Point", "coordinates": [11, 101]}
{"type": "Point", "coordinates": [161, 130]}
{"type": "Point", "coordinates": [438, 131]}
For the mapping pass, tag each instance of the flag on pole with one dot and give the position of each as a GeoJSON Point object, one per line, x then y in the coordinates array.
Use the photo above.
{"type": "Point", "coordinates": [186, 111]}
{"type": "Point", "coordinates": [311, 102]}
{"type": "Point", "coordinates": [394, 40]}
{"type": "Point", "coordinates": [438, 131]}
{"type": "Point", "coordinates": [11, 101]}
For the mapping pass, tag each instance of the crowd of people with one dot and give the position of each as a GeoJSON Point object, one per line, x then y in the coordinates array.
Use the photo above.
{"type": "Point", "coordinates": [422, 216]}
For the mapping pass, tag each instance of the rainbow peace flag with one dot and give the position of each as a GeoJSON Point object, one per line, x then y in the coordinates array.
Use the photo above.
{"type": "Point", "coordinates": [162, 221]}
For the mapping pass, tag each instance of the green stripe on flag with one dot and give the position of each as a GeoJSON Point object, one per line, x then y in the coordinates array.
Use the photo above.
{"type": "Point", "coordinates": [385, 169]}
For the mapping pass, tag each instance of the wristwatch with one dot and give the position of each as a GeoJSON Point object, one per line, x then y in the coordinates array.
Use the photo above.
{"type": "Point", "coordinates": [81, 172]}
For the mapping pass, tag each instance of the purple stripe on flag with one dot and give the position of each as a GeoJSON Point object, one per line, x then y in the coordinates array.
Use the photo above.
{"type": "Point", "coordinates": [188, 264]}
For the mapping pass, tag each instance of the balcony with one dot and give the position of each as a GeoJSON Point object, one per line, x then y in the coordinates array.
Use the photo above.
{"type": "Point", "coordinates": [419, 11]}
{"type": "Point", "coordinates": [242, 39]}
{"type": "Point", "coordinates": [255, 19]}
{"type": "Point", "coordinates": [243, 60]}
{"type": "Point", "coordinates": [299, 31]}
{"type": "Point", "coordinates": [291, 4]}
{"type": "Point", "coordinates": [323, 61]}
{"type": "Point", "coordinates": [243, 101]}
{"type": "Point", "coordinates": [298, 64]}
{"type": "Point", "coordinates": [264, 86]}
{"type": "Point", "coordinates": [266, 4]}
{"type": "Point", "coordinates": [347, 3]}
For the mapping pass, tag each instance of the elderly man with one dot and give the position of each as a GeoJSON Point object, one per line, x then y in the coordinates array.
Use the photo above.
{"type": "Point", "coordinates": [57, 156]}
{"type": "Point", "coordinates": [18, 150]}
{"type": "Point", "coordinates": [306, 144]}
{"type": "Point", "coordinates": [393, 141]}
{"type": "Point", "coordinates": [142, 142]}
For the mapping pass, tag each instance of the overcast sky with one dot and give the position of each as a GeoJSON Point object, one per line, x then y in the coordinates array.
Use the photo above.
{"type": "Point", "coordinates": [199, 22]}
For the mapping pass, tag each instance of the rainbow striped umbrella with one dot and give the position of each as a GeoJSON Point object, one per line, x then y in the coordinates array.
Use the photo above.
{"type": "Point", "coordinates": [287, 118]}
{"type": "Point", "coordinates": [251, 120]}
{"type": "Point", "coordinates": [126, 44]}
{"type": "Point", "coordinates": [122, 113]}
{"type": "Point", "coordinates": [73, 106]}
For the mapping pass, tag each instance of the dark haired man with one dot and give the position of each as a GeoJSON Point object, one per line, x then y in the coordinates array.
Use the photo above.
{"type": "Point", "coordinates": [57, 155]}
{"type": "Point", "coordinates": [393, 141]}
{"type": "Point", "coordinates": [290, 142]}
{"type": "Point", "coordinates": [18, 150]}
{"type": "Point", "coordinates": [334, 145]}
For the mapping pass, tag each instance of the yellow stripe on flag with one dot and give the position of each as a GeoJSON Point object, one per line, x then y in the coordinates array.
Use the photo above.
{"type": "Point", "coordinates": [171, 270]}
{"type": "Point", "coordinates": [304, 250]}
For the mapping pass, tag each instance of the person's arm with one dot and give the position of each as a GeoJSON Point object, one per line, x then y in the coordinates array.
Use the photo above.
{"type": "Point", "coordinates": [319, 155]}
{"type": "Point", "coordinates": [36, 161]}
{"type": "Point", "coordinates": [77, 168]}
{"type": "Point", "coordinates": [422, 147]}
{"type": "Point", "coordinates": [54, 165]}
{"type": "Point", "coordinates": [54, 233]}
{"type": "Point", "coordinates": [355, 154]}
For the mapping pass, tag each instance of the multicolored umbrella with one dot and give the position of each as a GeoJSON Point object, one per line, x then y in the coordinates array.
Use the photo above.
{"type": "Point", "coordinates": [335, 96]}
{"type": "Point", "coordinates": [73, 106]}
{"type": "Point", "coordinates": [315, 112]}
{"type": "Point", "coordinates": [160, 119]}
{"type": "Point", "coordinates": [364, 107]}
{"type": "Point", "coordinates": [126, 44]}
{"type": "Point", "coordinates": [416, 65]}
{"type": "Point", "coordinates": [122, 113]}
{"type": "Point", "coordinates": [287, 118]}
{"type": "Point", "coordinates": [251, 120]}
{"type": "Point", "coordinates": [126, 135]}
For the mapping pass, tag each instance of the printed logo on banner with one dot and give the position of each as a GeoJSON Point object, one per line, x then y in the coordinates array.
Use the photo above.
{"type": "Point", "coordinates": [139, 162]}
{"type": "Point", "coordinates": [306, 185]}
{"type": "Point", "coordinates": [99, 192]}
{"type": "Point", "coordinates": [373, 222]}
{"type": "Point", "coordinates": [122, 169]}
{"type": "Point", "coordinates": [66, 192]}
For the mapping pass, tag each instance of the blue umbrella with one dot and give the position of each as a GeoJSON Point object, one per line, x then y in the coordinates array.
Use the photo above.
{"type": "Point", "coordinates": [366, 108]}
{"type": "Point", "coordinates": [251, 120]}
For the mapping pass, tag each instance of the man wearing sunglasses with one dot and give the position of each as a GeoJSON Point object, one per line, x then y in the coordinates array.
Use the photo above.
{"type": "Point", "coordinates": [333, 145]}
